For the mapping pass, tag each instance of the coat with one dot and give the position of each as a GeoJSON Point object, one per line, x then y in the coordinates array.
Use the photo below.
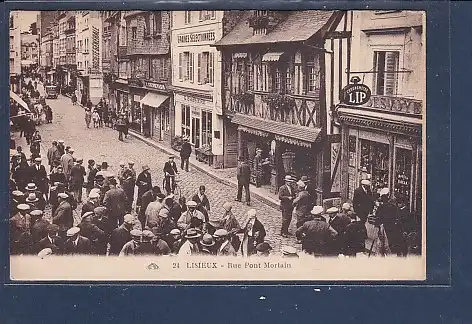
{"type": "Point", "coordinates": [89, 206]}
{"type": "Point", "coordinates": [302, 204]}
{"type": "Point", "coordinates": [19, 227]}
{"type": "Point", "coordinates": [185, 150]}
{"type": "Point", "coordinates": [203, 205]}
{"type": "Point", "coordinates": [63, 216]}
{"type": "Point", "coordinates": [83, 246]}
{"type": "Point", "coordinates": [39, 230]}
{"type": "Point", "coordinates": [115, 202]}
{"type": "Point", "coordinates": [227, 250]}
{"type": "Point", "coordinates": [249, 242]}
{"type": "Point", "coordinates": [57, 245]}
{"type": "Point", "coordinates": [152, 213]}
{"type": "Point", "coordinates": [170, 168]}
{"type": "Point", "coordinates": [286, 197]}
{"type": "Point", "coordinates": [317, 237]}
{"type": "Point", "coordinates": [146, 199]}
{"type": "Point", "coordinates": [144, 183]}
{"type": "Point", "coordinates": [94, 234]}
{"type": "Point", "coordinates": [77, 174]}
{"type": "Point", "coordinates": [52, 154]}
{"type": "Point", "coordinates": [67, 162]}
{"type": "Point", "coordinates": [363, 203]}
{"type": "Point", "coordinates": [39, 177]}
{"type": "Point", "coordinates": [187, 219]}
{"type": "Point", "coordinates": [188, 248]}
{"type": "Point", "coordinates": [119, 237]}
{"type": "Point", "coordinates": [354, 238]}
{"type": "Point", "coordinates": [243, 173]}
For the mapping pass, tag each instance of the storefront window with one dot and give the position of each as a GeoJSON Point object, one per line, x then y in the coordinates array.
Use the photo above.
{"type": "Point", "coordinates": [206, 128]}
{"type": "Point", "coordinates": [375, 160]}
{"type": "Point", "coordinates": [403, 158]}
{"type": "Point", "coordinates": [352, 150]}
{"type": "Point", "coordinates": [185, 120]}
{"type": "Point", "coordinates": [165, 120]}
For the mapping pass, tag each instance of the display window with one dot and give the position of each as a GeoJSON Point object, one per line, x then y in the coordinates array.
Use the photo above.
{"type": "Point", "coordinates": [374, 159]}
{"type": "Point", "coordinates": [403, 167]}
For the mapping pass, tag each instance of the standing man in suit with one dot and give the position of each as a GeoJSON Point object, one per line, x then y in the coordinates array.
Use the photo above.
{"type": "Point", "coordinates": [244, 175]}
{"type": "Point", "coordinates": [170, 170]}
{"type": "Point", "coordinates": [363, 201]}
{"type": "Point", "coordinates": [144, 184]}
{"type": "Point", "coordinates": [203, 204]}
{"type": "Point", "coordinates": [185, 152]}
{"type": "Point", "coordinates": [286, 196]}
{"type": "Point", "coordinates": [115, 202]}
{"type": "Point", "coordinates": [302, 203]}
{"type": "Point", "coordinates": [76, 244]}
{"type": "Point", "coordinates": [63, 214]}
{"type": "Point", "coordinates": [39, 176]}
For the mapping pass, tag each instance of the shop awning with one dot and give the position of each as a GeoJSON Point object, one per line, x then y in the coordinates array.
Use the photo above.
{"type": "Point", "coordinates": [272, 56]}
{"type": "Point", "coordinates": [292, 134]}
{"type": "Point", "coordinates": [27, 62]}
{"type": "Point", "coordinates": [239, 55]}
{"type": "Point", "coordinates": [153, 99]}
{"type": "Point", "coordinates": [17, 98]}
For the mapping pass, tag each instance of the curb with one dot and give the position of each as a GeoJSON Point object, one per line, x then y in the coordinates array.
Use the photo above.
{"type": "Point", "coordinates": [268, 201]}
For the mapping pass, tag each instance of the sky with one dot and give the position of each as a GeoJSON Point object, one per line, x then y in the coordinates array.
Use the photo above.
{"type": "Point", "coordinates": [26, 18]}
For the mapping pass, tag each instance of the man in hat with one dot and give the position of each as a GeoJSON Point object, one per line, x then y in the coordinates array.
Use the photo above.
{"type": "Point", "coordinates": [310, 188]}
{"type": "Point", "coordinates": [58, 175]}
{"type": "Point", "coordinates": [20, 173]}
{"type": "Point", "coordinates": [363, 201]}
{"type": "Point", "coordinates": [254, 233]}
{"type": "Point", "coordinates": [148, 197]}
{"type": "Point", "coordinates": [160, 244]}
{"type": "Point", "coordinates": [192, 218]}
{"type": "Point", "coordinates": [92, 172]}
{"type": "Point", "coordinates": [17, 197]}
{"type": "Point", "coordinates": [203, 204]}
{"type": "Point", "coordinates": [31, 188]}
{"type": "Point", "coordinates": [120, 172]}
{"type": "Point", "coordinates": [339, 223]}
{"type": "Point", "coordinates": [144, 183]}
{"type": "Point", "coordinates": [115, 202]}
{"type": "Point", "coordinates": [120, 127]}
{"type": "Point", "coordinates": [32, 201]}
{"type": "Point", "coordinates": [76, 244]}
{"type": "Point", "coordinates": [317, 235]}
{"type": "Point", "coordinates": [91, 231]}
{"type": "Point", "coordinates": [39, 176]}
{"type": "Point", "coordinates": [230, 224]}
{"type": "Point", "coordinates": [243, 175]}
{"type": "Point", "coordinates": [121, 235]}
{"type": "Point", "coordinates": [20, 236]}
{"type": "Point", "coordinates": [67, 162]}
{"type": "Point", "coordinates": [191, 246]}
{"type": "Point", "coordinates": [208, 245]}
{"type": "Point", "coordinates": [152, 245]}
{"type": "Point", "coordinates": [173, 240]}
{"type": "Point", "coordinates": [152, 211]}
{"type": "Point", "coordinates": [301, 203]}
{"type": "Point", "coordinates": [354, 236]}
{"type": "Point", "coordinates": [185, 152]}
{"type": "Point", "coordinates": [39, 226]}
{"type": "Point", "coordinates": [77, 174]}
{"type": "Point", "coordinates": [91, 204]}
{"type": "Point", "coordinates": [289, 252]}
{"type": "Point", "coordinates": [286, 196]}
{"type": "Point", "coordinates": [164, 223]}
{"type": "Point", "coordinates": [62, 216]}
{"type": "Point", "coordinates": [52, 155]}
{"type": "Point", "coordinates": [257, 167]}
{"type": "Point", "coordinates": [223, 241]}
{"type": "Point", "coordinates": [51, 241]}
{"type": "Point", "coordinates": [170, 171]}
{"type": "Point", "coordinates": [128, 183]}
{"type": "Point", "coordinates": [388, 215]}
{"type": "Point", "coordinates": [61, 148]}
{"type": "Point", "coordinates": [263, 249]}
{"type": "Point", "coordinates": [129, 248]}
{"type": "Point", "coordinates": [103, 171]}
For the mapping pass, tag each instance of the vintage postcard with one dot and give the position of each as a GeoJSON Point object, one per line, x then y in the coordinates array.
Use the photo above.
{"type": "Point", "coordinates": [250, 145]}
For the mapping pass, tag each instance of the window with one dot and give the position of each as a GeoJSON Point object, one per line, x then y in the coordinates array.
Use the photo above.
{"type": "Point", "coordinates": [163, 69]}
{"type": "Point", "coordinates": [386, 65]}
{"type": "Point", "coordinates": [206, 128]}
{"type": "Point", "coordinates": [185, 120]}
{"type": "Point", "coordinates": [157, 23]}
{"type": "Point", "coordinates": [278, 80]}
{"type": "Point", "coordinates": [288, 80]}
{"type": "Point", "coordinates": [134, 33]}
{"type": "Point", "coordinates": [206, 15]}
{"type": "Point", "coordinates": [205, 68]}
{"type": "Point", "coordinates": [312, 74]}
{"type": "Point", "coordinates": [147, 28]}
{"type": "Point", "coordinates": [12, 42]}
{"type": "Point", "coordinates": [186, 70]}
{"type": "Point", "coordinates": [188, 16]}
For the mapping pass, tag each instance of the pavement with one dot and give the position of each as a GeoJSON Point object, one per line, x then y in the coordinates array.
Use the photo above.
{"type": "Point", "coordinates": [101, 144]}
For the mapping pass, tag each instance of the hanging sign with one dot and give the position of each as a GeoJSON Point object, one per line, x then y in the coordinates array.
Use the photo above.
{"type": "Point", "coordinates": [355, 94]}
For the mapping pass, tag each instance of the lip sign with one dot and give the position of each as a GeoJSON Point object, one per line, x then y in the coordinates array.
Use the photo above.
{"type": "Point", "coordinates": [356, 94]}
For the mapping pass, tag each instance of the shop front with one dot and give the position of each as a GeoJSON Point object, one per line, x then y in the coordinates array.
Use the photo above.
{"type": "Point", "coordinates": [275, 149]}
{"type": "Point", "coordinates": [155, 108]}
{"type": "Point", "coordinates": [196, 119]}
{"type": "Point", "coordinates": [384, 147]}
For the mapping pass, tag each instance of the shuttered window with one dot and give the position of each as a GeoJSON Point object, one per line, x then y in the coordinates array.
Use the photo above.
{"type": "Point", "coordinates": [199, 68]}
{"type": "Point", "coordinates": [181, 76]}
{"type": "Point", "coordinates": [386, 78]}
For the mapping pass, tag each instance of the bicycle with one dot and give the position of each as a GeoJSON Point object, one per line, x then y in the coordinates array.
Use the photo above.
{"type": "Point", "coordinates": [175, 187]}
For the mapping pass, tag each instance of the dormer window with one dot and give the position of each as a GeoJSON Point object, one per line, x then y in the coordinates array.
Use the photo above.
{"type": "Point", "coordinates": [259, 22]}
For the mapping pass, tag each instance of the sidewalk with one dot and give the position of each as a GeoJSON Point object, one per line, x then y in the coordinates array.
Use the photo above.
{"type": "Point", "coordinates": [225, 176]}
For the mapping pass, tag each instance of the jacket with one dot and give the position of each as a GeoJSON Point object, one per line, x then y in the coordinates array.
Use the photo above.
{"type": "Point", "coordinates": [39, 177]}
{"type": "Point", "coordinates": [243, 173]}
{"type": "Point", "coordinates": [119, 237]}
{"type": "Point", "coordinates": [52, 154]}
{"type": "Point", "coordinates": [57, 245]}
{"type": "Point", "coordinates": [83, 246]}
{"type": "Point", "coordinates": [63, 216]}
{"type": "Point", "coordinates": [170, 168]}
{"type": "Point", "coordinates": [185, 221]}
{"type": "Point", "coordinates": [203, 205]}
{"type": "Point", "coordinates": [77, 173]}
{"type": "Point", "coordinates": [152, 214]}
{"type": "Point", "coordinates": [188, 248]}
{"type": "Point", "coordinates": [144, 183]}
{"type": "Point", "coordinates": [185, 150]}
{"type": "Point", "coordinates": [67, 162]}
{"type": "Point", "coordinates": [317, 237]}
{"type": "Point", "coordinates": [146, 199]}
{"type": "Point", "coordinates": [363, 203]}
{"type": "Point", "coordinates": [302, 204]}
{"type": "Point", "coordinates": [226, 249]}
{"type": "Point", "coordinates": [286, 198]}
{"type": "Point", "coordinates": [115, 202]}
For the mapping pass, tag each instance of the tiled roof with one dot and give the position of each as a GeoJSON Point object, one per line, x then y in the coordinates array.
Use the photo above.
{"type": "Point", "coordinates": [306, 134]}
{"type": "Point", "coordinates": [299, 26]}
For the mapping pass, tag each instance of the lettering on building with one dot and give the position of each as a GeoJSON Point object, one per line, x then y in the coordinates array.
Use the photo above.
{"type": "Point", "coordinates": [396, 104]}
{"type": "Point", "coordinates": [95, 49]}
{"type": "Point", "coordinates": [207, 36]}
{"type": "Point", "coordinates": [196, 100]}
{"type": "Point", "coordinates": [155, 86]}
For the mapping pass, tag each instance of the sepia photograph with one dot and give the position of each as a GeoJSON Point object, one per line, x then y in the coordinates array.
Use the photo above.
{"type": "Point", "coordinates": [212, 145]}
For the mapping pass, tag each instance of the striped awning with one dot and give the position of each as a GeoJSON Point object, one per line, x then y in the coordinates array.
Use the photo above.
{"type": "Point", "coordinates": [272, 56]}
{"type": "Point", "coordinates": [239, 55]}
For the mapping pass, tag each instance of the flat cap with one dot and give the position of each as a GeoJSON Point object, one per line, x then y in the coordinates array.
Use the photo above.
{"type": "Point", "coordinates": [94, 194]}
{"type": "Point", "coordinates": [384, 192]}
{"type": "Point", "coordinates": [365, 182]}
{"type": "Point", "coordinates": [23, 207]}
{"type": "Point", "coordinates": [136, 232]}
{"type": "Point", "coordinates": [332, 210]}
{"type": "Point", "coordinates": [38, 159]}
{"type": "Point", "coordinates": [221, 232]}
{"type": "Point", "coordinates": [128, 219]}
{"type": "Point", "coordinates": [36, 212]}
{"type": "Point", "coordinates": [191, 203]}
{"type": "Point", "coordinates": [346, 206]}
{"type": "Point", "coordinates": [72, 231]}
{"type": "Point", "coordinates": [317, 210]}
{"type": "Point", "coordinates": [175, 231]}
{"type": "Point", "coordinates": [63, 195]}
{"type": "Point", "coordinates": [288, 250]}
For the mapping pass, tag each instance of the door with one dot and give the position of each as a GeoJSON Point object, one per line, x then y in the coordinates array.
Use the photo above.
{"type": "Point", "coordinates": [196, 131]}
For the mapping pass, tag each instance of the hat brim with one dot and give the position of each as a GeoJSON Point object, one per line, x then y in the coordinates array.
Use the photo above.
{"type": "Point", "coordinates": [204, 244]}
{"type": "Point", "coordinates": [193, 236]}
{"type": "Point", "coordinates": [32, 201]}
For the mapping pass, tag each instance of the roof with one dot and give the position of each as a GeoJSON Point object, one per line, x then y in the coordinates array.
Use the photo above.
{"type": "Point", "coordinates": [129, 14]}
{"type": "Point", "coordinates": [301, 133]}
{"type": "Point", "coordinates": [298, 26]}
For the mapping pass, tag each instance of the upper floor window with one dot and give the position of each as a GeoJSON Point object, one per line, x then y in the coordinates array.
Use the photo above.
{"type": "Point", "coordinates": [186, 69]}
{"type": "Point", "coordinates": [205, 70]}
{"type": "Point", "coordinates": [134, 33]}
{"type": "Point", "coordinates": [207, 15]}
{"type": "Point", "coordinates": [157, 23]}
{"type": "Point", "coordinates": [386, 76]}
{"type": "Point", "coordinates": [312, 72]}
{"type": "Point", "coordinates": [11, 21]}
{"type": "Point", "coordinates": [188, 17]}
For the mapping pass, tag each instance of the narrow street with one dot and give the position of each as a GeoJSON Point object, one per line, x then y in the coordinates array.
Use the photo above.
{"type": "Point", "coordinates": [101, 144]}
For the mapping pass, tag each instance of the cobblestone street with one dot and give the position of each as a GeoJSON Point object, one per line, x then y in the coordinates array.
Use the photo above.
{"type": "Point", "coordinates": [101, 144]}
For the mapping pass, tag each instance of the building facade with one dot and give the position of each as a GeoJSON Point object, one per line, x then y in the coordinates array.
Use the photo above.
{"type": "Point", "coordinates": [275, 98]}
{"type": "Point", "coordinates": [146, 62]}
{"type": "Point", "coordinates": [15, 52]}
{"type": "Point", "coordinates": [55, 50]}
{"type": "Point", "coordinates": [110, 34]}
{"type": "Point", "coordinates": [46, 53]}
{"type": "Point", "coordinates": [29, 49]}
{"type": "Point", "coordinates": [44, 23]}
{"type": "Point", "coordinates": [196, 80]}
{"type": "Point", "coordinates": [382, 139]}
{"type": "Point", "coordinates": [89, 56]}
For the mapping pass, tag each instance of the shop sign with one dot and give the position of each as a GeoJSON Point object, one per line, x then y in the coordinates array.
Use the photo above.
{"type": "Point", "coordinates": [195, 112]}
{"type": "Point", "coordinates": [196, 100]}
{"type": "Point", "coordinates": [355, 94]}
{"type": "Point", "coordinates": [206, 36]}
{"type": "Point", "coordinates": [396, 104]}
{"type": "Point", "coordinates": [155, 85]}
